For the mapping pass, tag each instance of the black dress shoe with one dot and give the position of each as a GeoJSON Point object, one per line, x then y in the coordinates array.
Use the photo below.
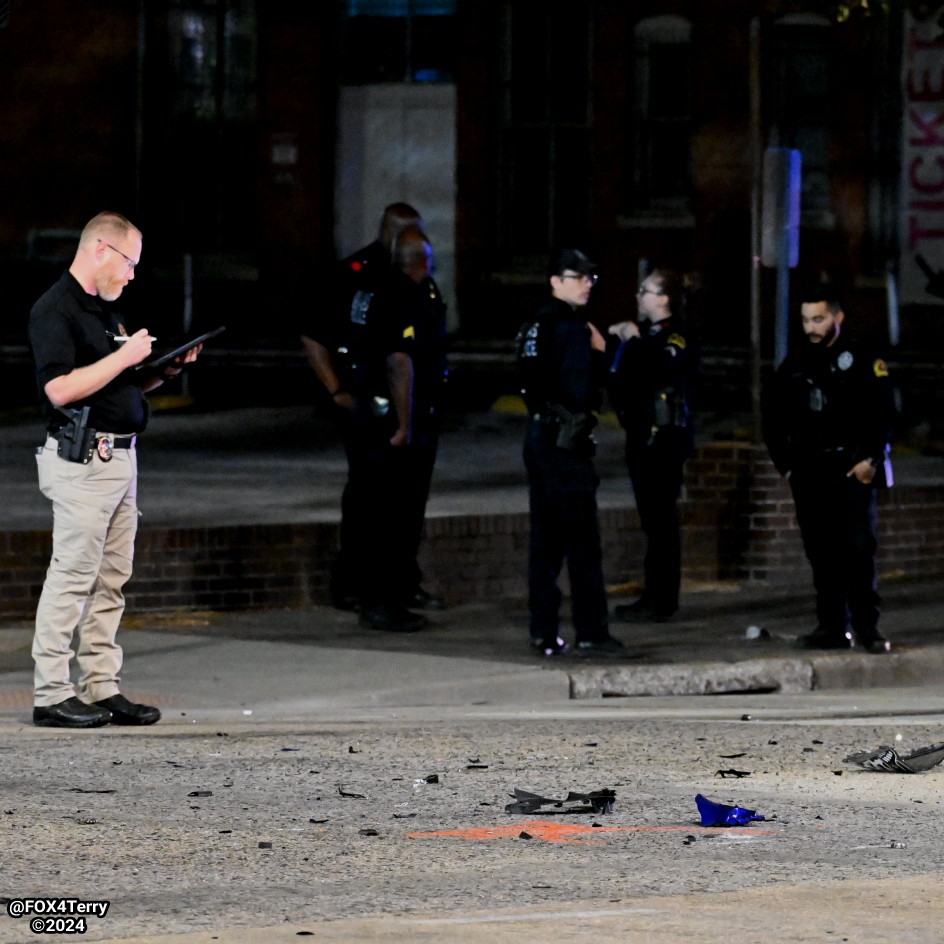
{"type": "Point", "coordinates": [600, 647]}
{"type": "Point", "coordinates": [820, 640]}
{"type": "Point", "coordinates": [392, 619]}
{"type": "Point", "coordinates": [876, 644]}
{"type": "Point", "coordinates": [71, 713]}
{"type": "Point", "coordinates": [423, 600]}
{"type": "Point", "coordinates": [127, 712]}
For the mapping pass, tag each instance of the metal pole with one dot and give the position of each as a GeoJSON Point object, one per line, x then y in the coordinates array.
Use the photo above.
{"type": "Point", "coordinates": [756, 172]}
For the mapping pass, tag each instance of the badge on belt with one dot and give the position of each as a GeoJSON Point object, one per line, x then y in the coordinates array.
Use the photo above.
{"type": "Point", "coordinates": [106, 448]}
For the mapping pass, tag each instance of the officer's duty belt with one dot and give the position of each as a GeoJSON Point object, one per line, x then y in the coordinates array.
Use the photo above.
{"type": "Point", "coordinates": [117, 442]}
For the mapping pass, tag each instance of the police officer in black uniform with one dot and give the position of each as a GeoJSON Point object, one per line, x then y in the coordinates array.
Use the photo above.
{"type": "Point", "coordinates": [419, 302]}
{"type": "Point", "coordinates": [650, 381]}
{"type": "Point", "coordinates": [563, 367]}
{"type": "Point", "coordinates": [362, 355]}
{"type": "Point", "coordinates": [828, 418]}
{"type": "Point", "coordinates": [341, 367]}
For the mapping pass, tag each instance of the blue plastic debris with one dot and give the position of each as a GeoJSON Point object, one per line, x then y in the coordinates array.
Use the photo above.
{"type": "Point", "coordinates": [719, 814]}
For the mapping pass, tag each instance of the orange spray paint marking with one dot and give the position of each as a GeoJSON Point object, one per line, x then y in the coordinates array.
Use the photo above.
{"type": "Point", "coordinates": [560, 832]}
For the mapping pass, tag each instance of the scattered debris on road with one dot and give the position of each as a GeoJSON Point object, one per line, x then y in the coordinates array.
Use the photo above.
{"type": "Point", "coordinates": [888, 760]}
{"type": "Point", "coordinates": [598, 801]}
{"type": "Point", "coordinates": [719, 814]}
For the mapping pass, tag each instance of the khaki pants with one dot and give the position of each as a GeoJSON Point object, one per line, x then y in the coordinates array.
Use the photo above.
{"type": "Point", "coordinates": [95, 517]}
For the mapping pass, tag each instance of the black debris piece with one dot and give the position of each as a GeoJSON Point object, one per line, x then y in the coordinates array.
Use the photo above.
{"type": "Point", "coordinates": [732, 756]}
{"type": "Point", "coordinates": [317, 821]}
{"type": "Point", "coordinates": [476, 767]}
{"type": "Point", "coordinates": [429, 778]}
{"type": "Point", "coordinates": [352, 796]}
{"type": "Point", "coordinates": [200, 793]}
{"type": "Point", "coordinates": [731, 772]}
{"type": "Point", "coordinates": [524, 835]}
{"type": "Point", "coordinates": [838, 773]}
{"type": "Point", "coordinates": [746, 718]}
{"type": "Point", "coordinates": [888, 760]}
{"type": "Point", "coordinates": [599, 801]}
{"type": "Point", "coordinates": [398, 816]}
{"type": "Point", "coordinates": [352, 750]}
{"type": "Point", "coordinates": [286, 750]}
{"type": "Point", "coordinates": [367, 832]}
{"type": "Point", "coordinates": [80, 790]}
{"type": "Point", "coordinates": [265, 845]}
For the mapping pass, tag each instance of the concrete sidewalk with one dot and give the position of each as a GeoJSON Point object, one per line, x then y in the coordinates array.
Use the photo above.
{"type": "Point", "coordinates": [317, 662]}
{"type": "Point", "coordinates": [285, 465]}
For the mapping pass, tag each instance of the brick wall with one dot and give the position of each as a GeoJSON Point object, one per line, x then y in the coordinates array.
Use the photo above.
{"type": "Point", "coordinates": [738, 524]}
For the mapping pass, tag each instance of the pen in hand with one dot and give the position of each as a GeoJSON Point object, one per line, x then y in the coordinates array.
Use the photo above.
{"type": "Point", "coordinates": [121, 337]}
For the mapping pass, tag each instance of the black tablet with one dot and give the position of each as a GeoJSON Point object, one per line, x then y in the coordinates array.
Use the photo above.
{"type": "Point", "coordinates": [177, 351]}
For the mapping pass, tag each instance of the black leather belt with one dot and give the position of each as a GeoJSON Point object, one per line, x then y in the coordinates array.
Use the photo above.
{"type": "Point", "coordinates": [117, 442]}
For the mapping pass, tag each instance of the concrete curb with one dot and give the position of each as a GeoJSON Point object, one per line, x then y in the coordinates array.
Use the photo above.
{"type": "Point", "coordinates": [914, 667]}
{"type": "Point", "coordinates": [695, 678]}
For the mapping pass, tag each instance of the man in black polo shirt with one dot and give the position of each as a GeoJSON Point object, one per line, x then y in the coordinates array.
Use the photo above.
{"type": "Point", "coordinates": [93, 402]}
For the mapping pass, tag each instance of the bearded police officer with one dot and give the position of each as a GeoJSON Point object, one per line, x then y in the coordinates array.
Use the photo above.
{"type": "Point", "coordinates": [562, 362]}
{"type": "Point", "coordinates": [828, 419]}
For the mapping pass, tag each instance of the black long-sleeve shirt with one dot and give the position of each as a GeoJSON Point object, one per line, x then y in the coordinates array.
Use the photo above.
{"type": "Point", "coordinates": [828, 408]}
{"type": "Point", "coordinates": [562, 367]}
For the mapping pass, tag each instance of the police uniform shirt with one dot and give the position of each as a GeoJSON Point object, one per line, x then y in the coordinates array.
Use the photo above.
{"type": "Point", "coordinates": [832, 403]}
{"type": "Point", "coordinates": [68, 328]}
{"type": "Point", "coordinates": [569, 371]}
{"type": "Point", "coordinates": [379, 323]}
{"type": "Point", "coordinates": [426, 311]}
{"type": "Point", "coordinates": [659, 361]}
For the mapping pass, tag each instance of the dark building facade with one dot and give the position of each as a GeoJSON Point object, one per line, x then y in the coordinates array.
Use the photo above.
{"type": "Point", "coordinates": [253, 142]}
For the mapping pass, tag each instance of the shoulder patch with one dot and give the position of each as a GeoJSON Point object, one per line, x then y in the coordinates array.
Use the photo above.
{"type": "Point", "coordinates": [845, 360]}
{"type": "Point", "coordinates": [677, 341]}
{"type": "Point", "coordinates": [879, 368]}
{"type": "Point", "coordinates": [409, 332]}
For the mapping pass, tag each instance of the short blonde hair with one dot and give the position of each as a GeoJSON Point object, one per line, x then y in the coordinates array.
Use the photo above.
{"type": "Point", "coordinates": [107, 226]}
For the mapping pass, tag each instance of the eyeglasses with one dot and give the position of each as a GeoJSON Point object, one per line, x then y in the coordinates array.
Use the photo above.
{"type": "Point", "coordinates": [131, 262]}
{"type": "Point", "coordinates": [648, 291]}
{"type": "Point", "coordinates": [590, 278]}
